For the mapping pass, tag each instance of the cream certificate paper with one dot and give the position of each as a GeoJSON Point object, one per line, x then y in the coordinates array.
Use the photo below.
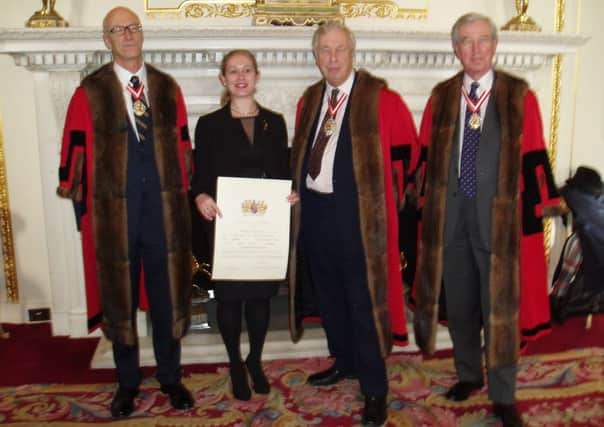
{"type": "Point", "coordinates": [251, 240]}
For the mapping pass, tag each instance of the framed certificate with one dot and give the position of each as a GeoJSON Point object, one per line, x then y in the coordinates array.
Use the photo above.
{"type": "Point", "coordinates": [251, 241]}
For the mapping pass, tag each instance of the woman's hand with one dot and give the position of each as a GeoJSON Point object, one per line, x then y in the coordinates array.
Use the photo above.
{"type": "Point", "coordinates": [207, 207]}
{"type": "Point", "coordinates": [293, 198]}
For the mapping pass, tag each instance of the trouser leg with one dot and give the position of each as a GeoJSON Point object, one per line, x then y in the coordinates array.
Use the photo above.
{"type": "Point", "coordinates": [126, 357]}
{"type": "Point", "coordinates": [463, 300]}
{"type": "Point", "coordinates": [337, 268]}
{"type": "Point", "coordinates": [501, 380]}
{"type": "Point", "coordinates": [157, 284]}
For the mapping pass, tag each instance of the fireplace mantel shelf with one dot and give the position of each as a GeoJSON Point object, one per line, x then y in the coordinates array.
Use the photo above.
{"type": "Point", "coordinates": [82, 48]}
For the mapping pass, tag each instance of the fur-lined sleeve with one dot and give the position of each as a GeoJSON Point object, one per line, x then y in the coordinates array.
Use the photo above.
{"type": "Point", "coordinates": [76, 133]}
{"type": "Point", "coordinates": [184, 141]}
{"type": "Point", "coordinates": [540, 194]}
{"type": "Point", "coordinates": [425, 135]}
{"type": "Point", "coordinates": [397, 120]}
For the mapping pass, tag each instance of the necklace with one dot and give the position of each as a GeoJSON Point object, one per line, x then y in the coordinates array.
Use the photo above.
{"type": "Point", "coordinates": [252, 112]}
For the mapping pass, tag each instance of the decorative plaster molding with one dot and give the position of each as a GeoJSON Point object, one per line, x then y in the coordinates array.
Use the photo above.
{"type": "Point", "coordinates": [82, 48]}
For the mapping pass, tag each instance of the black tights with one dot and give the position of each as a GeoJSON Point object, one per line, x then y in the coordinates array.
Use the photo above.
{"type": "Point", "coordinates": [257, 314]}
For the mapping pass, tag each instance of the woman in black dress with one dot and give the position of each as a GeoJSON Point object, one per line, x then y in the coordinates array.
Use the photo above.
{"type": "Point", "coordinates": [242, 139]}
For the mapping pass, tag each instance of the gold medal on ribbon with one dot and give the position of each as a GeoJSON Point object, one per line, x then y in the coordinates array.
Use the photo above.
{"type": "Point", "coordinates": [474, 121]}
{"type": "Point", "coordinates": [330, 126]}
{"type": "Point", "coordinates": [139, 107]}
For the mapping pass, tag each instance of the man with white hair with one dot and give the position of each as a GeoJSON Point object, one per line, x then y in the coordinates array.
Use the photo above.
{"type": "Point", "coordinates": [354, 143]}
{"type": "Point", "coordinates": [487, 184]}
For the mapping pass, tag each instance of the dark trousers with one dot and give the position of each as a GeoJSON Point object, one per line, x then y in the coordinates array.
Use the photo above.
{"type": "Point", "coordinates": [466, 282]}
{"type": "Point", "coordinates": [147, 249]}
{"type": "Point", "coordinates": [337, 270]}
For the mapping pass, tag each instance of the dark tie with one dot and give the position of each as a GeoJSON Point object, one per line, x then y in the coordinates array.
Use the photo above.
{"type": "Point", "coordinates": [142, 118]}
{"type": "Point", "coordinates": [471, 138]}
{"type": "Point", "coordinates": [325, 132]}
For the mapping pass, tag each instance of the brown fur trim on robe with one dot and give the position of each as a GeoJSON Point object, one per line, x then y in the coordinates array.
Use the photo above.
{"type": "Point", "coordinates": [109, 204]}
{"type": "Point", "coordinates": [368, 167]}
{"type": "Point", "coordinates": [508, 93]}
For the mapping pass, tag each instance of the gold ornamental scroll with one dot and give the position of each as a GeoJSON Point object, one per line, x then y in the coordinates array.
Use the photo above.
{"type": "Point", "coordinates": [6, 232]}
{"type": "Point", "coordinates": [288, 12]}
{"type": "Point", "coordinates": [552, 147]}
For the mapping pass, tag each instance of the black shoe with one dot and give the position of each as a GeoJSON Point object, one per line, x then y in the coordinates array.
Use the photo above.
{"type": "Point", "coordinates": [122, 404]}
{"type": "Point", "coordinates": [329, 377]}
{"type": "Point", "coordinates": [180, 397]}
{"type": "Point", "coordinates": [239, 383]}
{"type": "Point", "coordinates": [259, 381]}
{"type": "Point", "coordinates": [461, 390]}
{"type": "Point", "coordinates": [507, 414]}
{"type": "Point", "coordinates": [375, 413]}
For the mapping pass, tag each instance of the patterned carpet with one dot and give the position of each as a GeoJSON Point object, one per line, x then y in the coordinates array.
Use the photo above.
{"type": "Point", "coordinates": [560, 389]}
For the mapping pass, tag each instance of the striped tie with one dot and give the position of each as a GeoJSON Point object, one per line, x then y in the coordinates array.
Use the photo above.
{"type": "Point", "coordinates": [142, 116]}
{"type": "Point", "coordinates": [318, 149]}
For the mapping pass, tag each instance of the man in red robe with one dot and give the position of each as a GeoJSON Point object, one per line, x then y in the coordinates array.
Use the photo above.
{"type": "Point", "coordinates": [354, 142]}
{"type": "Point", "coordinates": [125, 163]}
{"type": "Point", "coordinates": [487, 186]}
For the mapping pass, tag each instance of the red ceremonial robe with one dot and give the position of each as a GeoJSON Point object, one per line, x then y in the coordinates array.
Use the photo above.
{"type": "Point", "coordinates": [93, 174]}
{"type": "Point", "coordinates": [519, 308]}
{"type": "Point", "coordinates": [384, 145]}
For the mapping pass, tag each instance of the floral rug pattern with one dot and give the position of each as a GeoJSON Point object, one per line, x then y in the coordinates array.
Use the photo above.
{"type": "Point", "coordinates": [553, 390]}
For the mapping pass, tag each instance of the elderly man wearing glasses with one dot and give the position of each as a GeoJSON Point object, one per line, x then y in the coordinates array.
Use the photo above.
{"type": "Point", "coordinates": [125, 164]}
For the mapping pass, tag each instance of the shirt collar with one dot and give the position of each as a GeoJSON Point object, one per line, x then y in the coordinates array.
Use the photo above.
{"type": "Point", "coordinates": [124, 75]}
{"type": "Point", "coordinates": [485, 82]}
{"type": "Point", "coordinates": [345, 88]}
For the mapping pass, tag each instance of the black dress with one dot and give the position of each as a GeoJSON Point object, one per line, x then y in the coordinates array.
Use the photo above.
{"type": "Point", "coordinates": [223, 149]}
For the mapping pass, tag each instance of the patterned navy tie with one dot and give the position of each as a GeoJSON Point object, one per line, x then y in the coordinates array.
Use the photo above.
{"type": "Point", "coordinates": [471, 138]}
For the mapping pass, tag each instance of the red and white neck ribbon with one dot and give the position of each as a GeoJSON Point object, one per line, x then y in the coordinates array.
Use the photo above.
{"type": "Point", "coordinates": [136, 93]}
{"type": "Point", "coordinates": [333, 110]}
{"type": "Point", "coordinates": [475, 106]}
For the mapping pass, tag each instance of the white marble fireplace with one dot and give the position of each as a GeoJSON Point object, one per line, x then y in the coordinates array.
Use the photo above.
{"type": "Point", "coordinates": [411, 61]}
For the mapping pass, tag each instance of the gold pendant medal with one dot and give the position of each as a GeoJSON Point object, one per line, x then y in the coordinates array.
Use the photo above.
{"type": "Point", "coordinates": [474, 121]}
{"type": "Point", "coordinates": [139, 107]}
{"type": "Point", "coordinates": [330, 126]}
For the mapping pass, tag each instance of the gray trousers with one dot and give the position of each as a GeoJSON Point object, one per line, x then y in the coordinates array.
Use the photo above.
{"type": "Point", "coordinates": [466, 285]}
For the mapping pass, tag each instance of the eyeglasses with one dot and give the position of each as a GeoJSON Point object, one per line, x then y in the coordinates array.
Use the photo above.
{"type": "Point", "coordinates": [121, 29]}
{"type": "Point", "coordinates": [338, 51]}
{"type": "Point", "coordinates": [482, 43]}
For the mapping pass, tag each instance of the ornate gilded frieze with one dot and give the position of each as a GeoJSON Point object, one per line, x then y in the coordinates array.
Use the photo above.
{"type": "Point", "coordinates": [288, 12]}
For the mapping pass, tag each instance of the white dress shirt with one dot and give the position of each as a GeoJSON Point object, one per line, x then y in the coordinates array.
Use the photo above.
{"type": "Point", "coordinates": [124, 77]}
{"type": "Point", "coordinates": [324, 181]}
{"type": "Point", "coordinates": [485, 84]}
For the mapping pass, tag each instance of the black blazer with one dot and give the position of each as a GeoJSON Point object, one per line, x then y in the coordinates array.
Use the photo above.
{"type": "Point", "coordinates": [222, 149]}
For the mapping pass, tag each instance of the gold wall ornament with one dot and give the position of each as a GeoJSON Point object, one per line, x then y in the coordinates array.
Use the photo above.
{"type": "Point", "coordinates": [554, 121]}
{"type": "Point", "coordinates": [199, 9]}
{"type": "Point", "coordinates": [296, 13]}
{"type": "Point", "coordinates": [206, 10]}
{"type": "Point", "coordinates": [380, 9]}
{"type": "Point", "coordinates": [288, 12]}
{"type": "Point", "coordinates": [6, 232]}
{"type": "Point", "coordinates": [47, 17]}
{"type": "Point", "coordinates": [521, 22]}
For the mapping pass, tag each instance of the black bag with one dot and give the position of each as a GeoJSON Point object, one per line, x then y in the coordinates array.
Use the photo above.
{"type": "Point", "coordinates": [581, 293]}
